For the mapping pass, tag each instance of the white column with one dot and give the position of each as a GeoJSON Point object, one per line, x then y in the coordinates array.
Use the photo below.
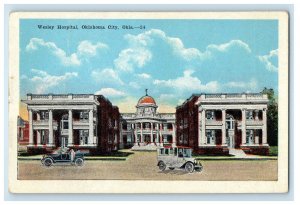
{"type": "Point", "coordinates": [38, 137]}
{"type": "Point", "coordinates": [142, 139]}
{"type": "Point", "coordinates": [199, 129]}
{"type": "Point", "coordinates": [264, 129]}
{"type": "Point", "coordinates": [203, 128]}
{"type": "Point", "coordinates": [50, 128]}
{"type": "Point", "coordinates": [173, 135]}
{"type": "Point", "coordinates": [243, 126]}
{"type": "Point", "coordinates": [223, 127]}
{"type": "Point", "coordinates": [70, 121]}
{"type": "Point", "coordinates": [30, 127]}
{"type": "Point", "coordinates": [160, 134]}
{"type": "Point", "coordinates": [91, 127]}
{"type": "Point", "coordinates": [256, 114]}
{"type": "Point", "coordinates": [152, 133]}
{"type": "Point", "coordinates": [135, 134]}
{"type": "Point", "coordinates": [38, 116]}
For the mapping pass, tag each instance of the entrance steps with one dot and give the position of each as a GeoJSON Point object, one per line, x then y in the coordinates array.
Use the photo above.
{"type": "Point", "coordinates": [148, 147]}
{"type": "Point", "coordinates": [237, 153]}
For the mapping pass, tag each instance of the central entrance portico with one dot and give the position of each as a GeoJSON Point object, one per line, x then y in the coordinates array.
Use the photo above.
{"type": "Point", "coordinates": [146, 129]}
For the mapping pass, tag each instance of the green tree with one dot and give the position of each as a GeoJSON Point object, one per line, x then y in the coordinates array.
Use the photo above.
{"type": "Point", "coordinates": [272, 115]}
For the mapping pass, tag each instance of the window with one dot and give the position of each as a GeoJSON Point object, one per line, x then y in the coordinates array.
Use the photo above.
{"type": "Point", "coordinates": [185, 122]}
{"type": "Point", "coordinates": [181, 138]}
{"type": "Point", "coordinates": [65, 125]}
{"type": "Point", "coordinates": [161, 151]}
{"type": "Point", "coordinates": [230, 122]}
{"type": "Point", "coordinates": [84, 136]}
{"type": "Point", "coordinates": [210, 137]}
{"type": "Point", "coordinates": [44, 115]}
{"type": "Point", "coordinates": [249, 114]}
{"type": "Point", "coordinates": [185, 138]}
{"type": "Point", "coordinates": [84, 115]}
{"type": "Point", "coordinates": [210, 115]}
{"type": "Point", "coordinates": [166, 151]}
{"type": "Point", "coordinates": [44, 139]}
{"type": "Point", "coordinates": [249, 136]}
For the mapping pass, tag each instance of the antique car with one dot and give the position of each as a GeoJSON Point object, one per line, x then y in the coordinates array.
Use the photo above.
{"type": "Point", "coordinates": [177, 158]}
{"type": "Point", "coordinates": [62, 157]}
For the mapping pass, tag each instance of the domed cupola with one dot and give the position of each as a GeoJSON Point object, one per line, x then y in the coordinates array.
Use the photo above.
{"type": "Point", "coordinates": [146, 106]}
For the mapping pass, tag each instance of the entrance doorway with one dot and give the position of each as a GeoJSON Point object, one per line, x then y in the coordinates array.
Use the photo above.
{"type": "Point", "coordinates": [230, 131]}
{"type": "Point", "coordinates": [147, 139]}
{"type": "Point", "coordinates": [64, 142]}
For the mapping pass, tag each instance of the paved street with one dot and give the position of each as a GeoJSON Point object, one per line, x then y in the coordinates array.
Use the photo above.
{"type": "Point", "coordinates": [142, 165]}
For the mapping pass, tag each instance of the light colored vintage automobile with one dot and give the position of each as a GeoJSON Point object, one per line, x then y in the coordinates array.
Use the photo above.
{"type": "Point", "coordinates": [177, 158]}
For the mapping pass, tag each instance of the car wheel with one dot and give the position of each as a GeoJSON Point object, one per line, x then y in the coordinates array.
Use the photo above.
{"type": "Point", "coordinates": [48, 162]}
{"type": "Point", "coordinates": [79, 162]}
{"type": "Point", "coordinates": [162, 166]}
{"type": "Point", "coordinates": [200, 167]}
{"type": "Point", "coordinates": [189, 167]}
{"type": "Point", "coordinates": [171, 168]}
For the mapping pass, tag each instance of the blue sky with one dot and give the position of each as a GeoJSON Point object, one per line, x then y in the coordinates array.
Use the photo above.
{"type": "Point", "coordinates": [172, 58]}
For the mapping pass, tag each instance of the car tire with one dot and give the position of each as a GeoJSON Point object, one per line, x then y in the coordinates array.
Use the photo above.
{"type": "Point", "coordinates": [189, 167]}
{"type": "Point", "coordinates": [79, 162]}
{"type": "Point", "coordinates": [162, 166]}
{"type": "Point", "coordinates": [200, 167]}
{"type": "Point", "coordinates": [48, 162]}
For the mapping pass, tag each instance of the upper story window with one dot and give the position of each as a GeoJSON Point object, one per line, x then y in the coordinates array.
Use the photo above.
{"type": "Point", "coordinates": [64, 122]}
{"type": "Point", "coordinates": [84, 115]}
{"type": "Point", "coordinates": [230, 122]}
{"type": "Point", "coordinates": [249, 115]}
{"type": "Point", "coordinates": [44, 115]}
{"type": "Point", "coordinates": [210, 115]}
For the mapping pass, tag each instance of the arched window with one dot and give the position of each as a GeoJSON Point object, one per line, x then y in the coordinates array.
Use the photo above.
{"type": "Point", "coordinates": [229, 122]}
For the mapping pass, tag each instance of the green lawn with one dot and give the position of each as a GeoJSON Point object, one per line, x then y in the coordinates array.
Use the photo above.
{"type": "Point", "coordinates": [273, 151]}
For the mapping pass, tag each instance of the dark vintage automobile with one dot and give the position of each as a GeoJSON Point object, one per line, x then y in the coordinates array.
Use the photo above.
{"type": "Point", "coordinates": [60, 157]}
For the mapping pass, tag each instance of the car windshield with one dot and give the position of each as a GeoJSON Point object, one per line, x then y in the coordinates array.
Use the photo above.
{"type": "Point", "coordinates": [183, 152]}
{"type": "Point", "coordinates": [187, 152]}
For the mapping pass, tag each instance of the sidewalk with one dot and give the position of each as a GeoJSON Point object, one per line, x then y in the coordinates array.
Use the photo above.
{"type": "Point", "coordinates": [39, 157]}
{"type": "Point", "coordinates": [247, 157]}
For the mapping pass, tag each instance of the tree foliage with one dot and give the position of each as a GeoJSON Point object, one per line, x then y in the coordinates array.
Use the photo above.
{"type": "Point", "coordinates": [272, 115]}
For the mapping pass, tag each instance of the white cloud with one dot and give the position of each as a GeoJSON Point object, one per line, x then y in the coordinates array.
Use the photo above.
{"type": "Point", "coordinates": [42, 81]}
{"type": "Point", "coordinates": [144, 75]}
{"type": "Point", "coordinates": [252, 84]}
{"type": "Point", "coordinates": [85, 50]}
{"type": "Point", "coordinates": [132, 57]}
{"type": "Point", "coordinates": [146, 40]}
{"type": "Point", "coordinates": [110, 92]}
{"type": "Point", "coordinates": [227, 46]}
{"type": "Point", "coordinates": [266, 60]}
{"type": "Point", "coordinates": [187, 82]}
{"type": "Point", "coordinates": [106, 75]}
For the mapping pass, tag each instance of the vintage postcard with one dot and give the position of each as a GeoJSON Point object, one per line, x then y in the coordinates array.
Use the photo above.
{"type": "Point", "coordinates": [148, 102]}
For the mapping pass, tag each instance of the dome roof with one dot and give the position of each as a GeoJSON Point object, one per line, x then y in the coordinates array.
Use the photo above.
{"type": "Point", "coordinates": [146, 100]}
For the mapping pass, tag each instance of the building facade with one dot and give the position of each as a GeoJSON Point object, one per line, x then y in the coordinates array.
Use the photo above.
{"type": "Point", "coordinates": [146, 128]}
{"type": "Point", "coordinates": [79, 121]}
{"type": "Point", "coordinates": [216, 123]}
{"type": "Point", "coordinates": [23, 132]}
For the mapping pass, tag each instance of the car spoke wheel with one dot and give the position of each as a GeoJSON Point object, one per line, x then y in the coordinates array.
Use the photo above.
{"type": "Point", "coordinates": [48, 162]}
{"type": "Point", "coordinates": [189, 167]}
{"type": "Point", "coordinates": [162, 166]}
{"type": "Point", "coordinates": [79, 162]}
{"type": "Point", "coordinates": [200, 167]}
